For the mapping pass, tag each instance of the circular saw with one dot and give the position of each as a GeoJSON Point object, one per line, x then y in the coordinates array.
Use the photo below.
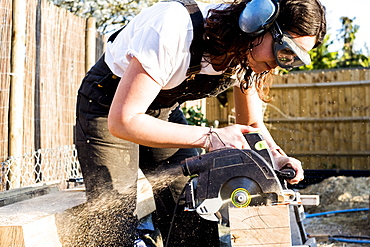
{"type": "Point", "coordinates": [232, 178]}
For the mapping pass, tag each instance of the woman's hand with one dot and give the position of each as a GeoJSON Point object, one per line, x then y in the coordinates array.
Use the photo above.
{"type": "Point", "coordinates": [230, 136]}
{"type": "Point", "coordinates": [282, 161]}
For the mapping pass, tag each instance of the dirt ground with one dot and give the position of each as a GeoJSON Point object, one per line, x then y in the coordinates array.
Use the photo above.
{"type": "Point", "coordinates": [339, 193]}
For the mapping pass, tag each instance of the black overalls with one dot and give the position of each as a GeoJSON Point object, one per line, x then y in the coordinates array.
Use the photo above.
{"type": "Point", "coordinates": [110, 165]}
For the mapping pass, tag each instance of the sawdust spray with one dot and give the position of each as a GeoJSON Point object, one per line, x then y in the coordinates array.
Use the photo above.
{"type": "Point", "coordinates": [109, 219]}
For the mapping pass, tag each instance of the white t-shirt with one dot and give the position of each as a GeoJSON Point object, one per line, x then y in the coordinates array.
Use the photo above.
{"type": "Point", "coordinates": [159, 37]}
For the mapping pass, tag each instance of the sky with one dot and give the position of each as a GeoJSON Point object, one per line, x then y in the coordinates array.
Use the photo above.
{"type": "Point", "coordinates": [358, 9]}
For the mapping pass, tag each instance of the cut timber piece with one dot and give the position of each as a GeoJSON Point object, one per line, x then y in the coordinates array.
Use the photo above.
{"type": "Point", "coordinates": [310, 200]}
{"type": "Point", "coordinates": [260, 226]}
{"type": "Point", "coordinates": [32, 222]}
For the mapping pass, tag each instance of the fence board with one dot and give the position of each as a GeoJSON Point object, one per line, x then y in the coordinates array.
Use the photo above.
{"type": "Point", "coordinates": [5, 44]}
{"type": "Point", "coordinates": [5, 48]}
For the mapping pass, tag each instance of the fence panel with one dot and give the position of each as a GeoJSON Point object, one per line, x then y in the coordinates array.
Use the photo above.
{"type": "Point", "coordinates": [322, 118]}
{"type": "Point", "coordinates": [54, 68]}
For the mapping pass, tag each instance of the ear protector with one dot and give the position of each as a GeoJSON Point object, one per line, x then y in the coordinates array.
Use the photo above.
{"type": "Point", "coordinates": [258, 16]}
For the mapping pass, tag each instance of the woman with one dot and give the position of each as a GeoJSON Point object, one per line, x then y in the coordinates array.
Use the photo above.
{"type": "Point", "coordinates": [128, 112]}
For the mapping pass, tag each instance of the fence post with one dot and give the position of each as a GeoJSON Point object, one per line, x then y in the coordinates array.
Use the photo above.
{"type": "Point", "coordinates": [16, 98]}
{"type": "Point", "coordinates": [90, 42]}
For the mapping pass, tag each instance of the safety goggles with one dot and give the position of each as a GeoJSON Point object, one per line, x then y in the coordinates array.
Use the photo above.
{"type": "Point", "coordinates": [287, 52]}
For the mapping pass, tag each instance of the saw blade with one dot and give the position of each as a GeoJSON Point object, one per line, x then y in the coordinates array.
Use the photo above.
{"type": "Point", "coordinates": [239, 192]}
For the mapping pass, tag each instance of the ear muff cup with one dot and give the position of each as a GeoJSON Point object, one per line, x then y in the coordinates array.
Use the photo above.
{"type": "Point", "coordinates": [258, 15]}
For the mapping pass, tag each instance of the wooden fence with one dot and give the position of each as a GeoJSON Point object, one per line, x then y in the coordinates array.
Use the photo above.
{"type": "Point", "coordinates": [322, 118]}
{"type": "Point", "coordinates": [38, 94]}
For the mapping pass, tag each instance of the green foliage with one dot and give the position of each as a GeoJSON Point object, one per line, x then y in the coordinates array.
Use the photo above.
{"type": "Point", "coordinates": [350, 57]}
{"type": "Point", "coordinates": [194, 116]}
{"type": "Point", "coordinates": [322, 58]}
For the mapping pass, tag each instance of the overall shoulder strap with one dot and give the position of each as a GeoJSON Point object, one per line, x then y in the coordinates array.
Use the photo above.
{"type": "Point", "coordinates": [196, 47]}
{"type": "Point", "coordinates": [114, 35]}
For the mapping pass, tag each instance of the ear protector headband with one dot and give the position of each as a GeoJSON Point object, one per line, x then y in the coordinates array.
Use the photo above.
{"type": "Point", "coordinates": [258, 15]}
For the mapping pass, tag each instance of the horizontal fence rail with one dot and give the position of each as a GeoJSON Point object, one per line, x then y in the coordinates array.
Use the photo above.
{"type": "Point", "coordinates": [322, 84]}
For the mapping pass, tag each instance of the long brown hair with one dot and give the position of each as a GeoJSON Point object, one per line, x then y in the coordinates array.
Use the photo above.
{"type": "Point", "coordinates": [223, 35]}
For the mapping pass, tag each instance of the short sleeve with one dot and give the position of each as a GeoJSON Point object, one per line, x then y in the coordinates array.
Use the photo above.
{"type": "Point", "coordinates": [159, 37]}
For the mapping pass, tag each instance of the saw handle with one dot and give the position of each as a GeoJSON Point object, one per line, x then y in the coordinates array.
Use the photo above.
{"type": "Point", "coordinates": [259, 145]}
{"type": "Point", "coordinates": [286, 173]}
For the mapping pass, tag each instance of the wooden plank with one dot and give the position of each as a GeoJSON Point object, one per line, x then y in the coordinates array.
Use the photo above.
{"type": "Point", "coordinates": [357, 101]}
{"type": "Point", "coordinates": [356, 111]}
{"type": "Point", "coordinates": [347, 111]}
{"type": "Point", "coordinates": [32, 222]}
{"type": "Point", "coordinates": [16, 106]}
{"type": "Point", "coordinates": [145, 198]}
{"type": "Point", "coordinates": [310, 200]}
{"type": "Point", "coordinates": [366, 100]}
{"type": "Point", "coordinates": [308, 96]}
{"type": "Point", "coordinates": [45, 235]}
{"type": "Point", "coordinates": [260, 226]}
{"type": "Point", "coordinates": [295, 136]}
{"type": "Point", "coordinates": [358, 137]}
{"type": "Point", "coordinates": [321, 130]}
{"type": "Point", "coordinates": [307, 105]}
{"type": "Point", "coordinates": [284, 107]}
{"type": "Point", "coordinates": [90, 43]}
{"type": "Point", "coordinates": [11, 236]}
{"type": "Point", "coordinates": [340, 126]}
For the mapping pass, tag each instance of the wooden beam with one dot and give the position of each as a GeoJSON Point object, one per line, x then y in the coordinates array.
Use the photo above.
{"type": "Point", "coordinates": [90, 40]}
{"type": "Point", "coordinates": [16, 104]}
{"type": "Point", "coordinates": [260, 226]}
{"type": "Point", "coordinates": [33, 222]}
{"type": "Point", "coordinates": [11, 236]}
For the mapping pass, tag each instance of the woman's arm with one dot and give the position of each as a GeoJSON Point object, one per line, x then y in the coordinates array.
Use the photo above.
{"type": "Point", "coordinates": [248, 110]}
{"type": "Point", "coordinates": [127, 119]}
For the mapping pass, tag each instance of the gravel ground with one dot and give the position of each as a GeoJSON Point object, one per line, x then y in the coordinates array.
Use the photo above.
{"type": "Point", "coordinates": [339, 193]}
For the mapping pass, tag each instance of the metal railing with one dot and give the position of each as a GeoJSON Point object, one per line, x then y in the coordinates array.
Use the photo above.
{"type": "Point", "coordinates": [43, 165]}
